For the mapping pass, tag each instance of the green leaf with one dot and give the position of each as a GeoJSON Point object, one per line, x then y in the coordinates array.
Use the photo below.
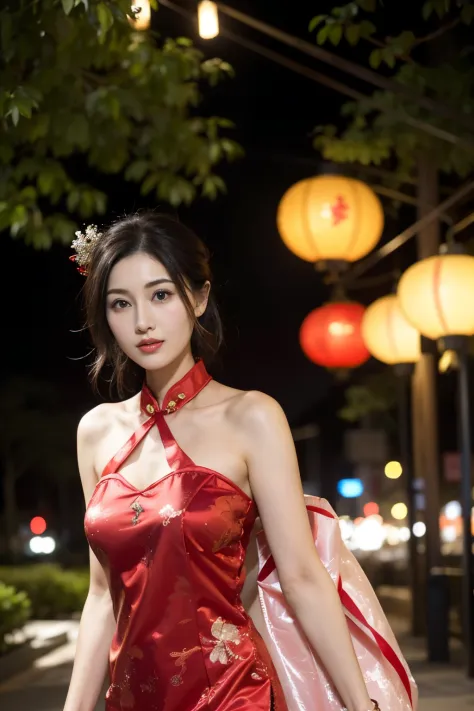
{"type": "Point", "coordinates": [46, 181]}
{"type": "Point", "coordinates": [352, 34]}
{"type": "Point", "coordinates": [389, 57]}
{"type": "Point", "coordinates": [100, 202]}
{"type": "Point", "coordinates": [73, 200]}
{"type": "Point", "coordinates": [317, 20]}
{"type": "Point", "coordinates": [19, 219]}
{"type": "Point", "coordinates": [15, 114]}
{"type": "Point", "coordinates": [67, 5]}
{"type": "Point", "coordinates": [367, 5]}
{"type": "Point", "coordinates": [212, 186]}
{"type": "Point", "coordinates": [427, 10]}
{"type": "Point", "coordinates": [137, 170]}
{"type": "Point", "coordinates": [467, 14]}
{"type": "Point", "coordinates": [106, 19]}
{"type": "Point", "coordinates": [404, 42]}
{"type": "Point", "coordinates": [367, 29]}
{"type": "Point", "coordinates": [322, 35]}
{"type": "Point", "coordinates": [375, 58]}
{"type": "Point", "coordinates": [149, 183]}
{"type": "Point", "coordinates": [215, 152]}
{"type": "Point", "coordinates": [335, 34]}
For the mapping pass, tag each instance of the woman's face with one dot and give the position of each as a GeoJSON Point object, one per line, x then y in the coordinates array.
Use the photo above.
{"type": "Point", "coordinates": [146, 314]}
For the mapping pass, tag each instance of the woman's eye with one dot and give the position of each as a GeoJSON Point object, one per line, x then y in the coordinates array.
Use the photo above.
{"type": "Point", "coordinates": [161, 295]}
{"type": "Point", "coordinates": [119, 304]}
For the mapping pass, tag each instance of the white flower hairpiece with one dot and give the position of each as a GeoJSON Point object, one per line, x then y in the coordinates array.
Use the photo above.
{"type": "Point", "coordinates": [83, 246]}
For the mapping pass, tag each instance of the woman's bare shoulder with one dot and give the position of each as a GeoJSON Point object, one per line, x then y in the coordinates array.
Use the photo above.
{"type": "Point", "coordinates": [94, 423]}
{"type": "Point", "coordinates": [247, 405]}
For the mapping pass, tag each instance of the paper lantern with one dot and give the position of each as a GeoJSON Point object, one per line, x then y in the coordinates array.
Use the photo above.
{"type": "Point", "coordinates": [208, 19]}
{"type": "Point", "coordinates": [330, 218]}
{"type": "Point", "coordinates": [331, 336]}
{"type": "Point", "coordinates": [388, 335]}
{"type": "Point", "coordinates": [437, 295]}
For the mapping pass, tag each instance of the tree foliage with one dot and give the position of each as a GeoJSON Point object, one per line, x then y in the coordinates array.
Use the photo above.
{"type": "Point", "coordinates": [375, 394]}
{"type": "Point", "coordinates": [83, 92]}
{"type": "Point", "coordinates": [374, 130]}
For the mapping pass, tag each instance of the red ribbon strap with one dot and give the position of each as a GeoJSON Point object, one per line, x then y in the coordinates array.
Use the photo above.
{"type": "Point", "coordinates": [346, 600]}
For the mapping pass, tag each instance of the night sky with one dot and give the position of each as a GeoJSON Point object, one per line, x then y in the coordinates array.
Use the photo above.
{"type": "Point", "coordinates": [263, 289]}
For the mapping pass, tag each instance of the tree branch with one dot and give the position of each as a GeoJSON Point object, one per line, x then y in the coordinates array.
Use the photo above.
{"type": "Point", "coordinates": [438, 33]}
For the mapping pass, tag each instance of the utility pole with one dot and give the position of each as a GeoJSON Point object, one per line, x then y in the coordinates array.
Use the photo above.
{"type": "Point", "coordinates": [426, 458]}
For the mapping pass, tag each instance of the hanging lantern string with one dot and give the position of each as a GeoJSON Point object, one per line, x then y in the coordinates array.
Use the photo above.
{"type": "Point", "coordinates": [407, 234]}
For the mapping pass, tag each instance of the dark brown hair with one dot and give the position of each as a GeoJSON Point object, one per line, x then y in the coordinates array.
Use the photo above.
{"type": "Point", "coordinates": [186, 260]}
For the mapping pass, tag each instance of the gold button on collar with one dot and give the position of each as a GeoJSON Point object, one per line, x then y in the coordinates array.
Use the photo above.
{"type": "Point", "coordinates": [181, 396]}
{"type": "Point", "coordinates": [171, 406]}
{"type": "Point", "coordinates": [150, 409]}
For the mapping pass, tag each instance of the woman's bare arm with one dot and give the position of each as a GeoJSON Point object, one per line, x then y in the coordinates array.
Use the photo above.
{"type": "Point", "coordinates": [276, 485]}
{"type": "Point", "coordinates": [97, 621]}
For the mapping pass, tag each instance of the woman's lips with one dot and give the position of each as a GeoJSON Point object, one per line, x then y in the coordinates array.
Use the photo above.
{"type": "Point", "coordinates": [151, 347]}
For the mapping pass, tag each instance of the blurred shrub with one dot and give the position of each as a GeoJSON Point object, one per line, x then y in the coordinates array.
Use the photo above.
{"type": "Point", "coordinates": [15, 610]}
{"type": "Point", "coordinates": [53, 592]}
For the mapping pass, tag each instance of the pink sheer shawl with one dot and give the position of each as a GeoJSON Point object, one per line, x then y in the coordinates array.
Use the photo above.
{"type": "Point", "coordinates": [305, 684]}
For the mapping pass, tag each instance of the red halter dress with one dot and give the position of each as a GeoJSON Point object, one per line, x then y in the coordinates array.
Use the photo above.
{"type": "Point", "coordinates": [174, 553]}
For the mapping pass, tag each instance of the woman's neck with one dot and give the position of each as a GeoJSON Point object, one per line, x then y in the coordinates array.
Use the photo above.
{"type": "Point", "coordinates": [161, 380]}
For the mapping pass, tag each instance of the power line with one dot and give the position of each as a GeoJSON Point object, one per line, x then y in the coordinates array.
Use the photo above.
{"type": "Point", "coordinates": [407, 234]}
{"type": "Point", "coordinates": [323, 79]}
{"type": "Point", "coordinates": [438, 212]}
{"type": "Point", "coordinates": [347, 66]}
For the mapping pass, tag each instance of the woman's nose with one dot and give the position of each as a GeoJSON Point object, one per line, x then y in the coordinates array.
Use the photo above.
{"type": "Point", "coordinates": [144, 321]}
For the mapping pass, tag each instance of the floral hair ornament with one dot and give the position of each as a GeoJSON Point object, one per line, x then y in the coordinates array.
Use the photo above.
{"type": "Point", "coordinates": [83, 246]}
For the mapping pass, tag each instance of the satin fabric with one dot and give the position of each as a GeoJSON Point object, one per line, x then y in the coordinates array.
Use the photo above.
{"type": "Point", "coordinates": [174, 553]}
{"type": "Point", "coordinates": [304, 681]}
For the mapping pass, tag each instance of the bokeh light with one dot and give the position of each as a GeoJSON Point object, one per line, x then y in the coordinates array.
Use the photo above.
{"type": "Point", "coordinates": [393, 470]}
{"type": "Point", "coordinates": [399, 511]}
{"type": "Point", "coordinates": [38, 525]}
{"type": "Point", "coordinates": [371, 508]}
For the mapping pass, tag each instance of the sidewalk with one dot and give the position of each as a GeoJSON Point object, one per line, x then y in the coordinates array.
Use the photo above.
{"type": "Point", "coordinates": [442, 687]}
{"type": "Point", "coordinates": [43, 688]}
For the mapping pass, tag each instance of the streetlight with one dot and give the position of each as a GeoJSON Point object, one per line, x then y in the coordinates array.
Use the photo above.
{"type": "Point", "coordinates": [208, 19]}
{"type": "Point", "coordinates": [437, 296]}
{"type": "Point", "coordinates": [393, 340]}
{"type": "Point", "coordinates": [140, 15]}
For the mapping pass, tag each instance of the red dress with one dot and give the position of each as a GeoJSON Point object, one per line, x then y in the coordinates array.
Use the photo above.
{"type": "Point", "coordinates": [174, 553]}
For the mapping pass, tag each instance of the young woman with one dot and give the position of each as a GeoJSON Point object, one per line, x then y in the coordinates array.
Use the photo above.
{"type": "Point", "coordinates": [174, 479]}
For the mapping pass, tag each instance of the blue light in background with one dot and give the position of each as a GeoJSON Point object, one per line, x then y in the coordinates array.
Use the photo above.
{"type": "Point", "coordinates": [350, 488]}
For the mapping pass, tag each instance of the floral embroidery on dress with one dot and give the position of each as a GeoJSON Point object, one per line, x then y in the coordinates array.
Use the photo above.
{"type": "Point", "coordinates": [224, 633]}
{"type": "Point", "coordinates": [138, 508]}
{"type": "Point", "coordinates": [168, 512]}
{"type": "Point", "coordinates": [232, 510]}
{"type": "Point", "coordinates": [177, 679]}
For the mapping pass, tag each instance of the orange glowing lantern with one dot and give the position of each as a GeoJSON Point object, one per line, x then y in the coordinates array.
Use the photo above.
{"type": "Point", "coordinates": [330, 218]}
{"type": "Point", "coordinates": [436, 295]}
{"type": "Point", "coordinates": [331, 336]}
{"type": "Point", "coordinates": [387, 333]}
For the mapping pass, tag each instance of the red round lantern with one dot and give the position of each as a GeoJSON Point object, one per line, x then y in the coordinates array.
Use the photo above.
{"type": "Point", "coordinates": [331, 336]}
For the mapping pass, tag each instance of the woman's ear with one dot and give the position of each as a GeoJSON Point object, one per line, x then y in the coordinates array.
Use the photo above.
{"type": "Point", "coordinates": [201, 298]}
